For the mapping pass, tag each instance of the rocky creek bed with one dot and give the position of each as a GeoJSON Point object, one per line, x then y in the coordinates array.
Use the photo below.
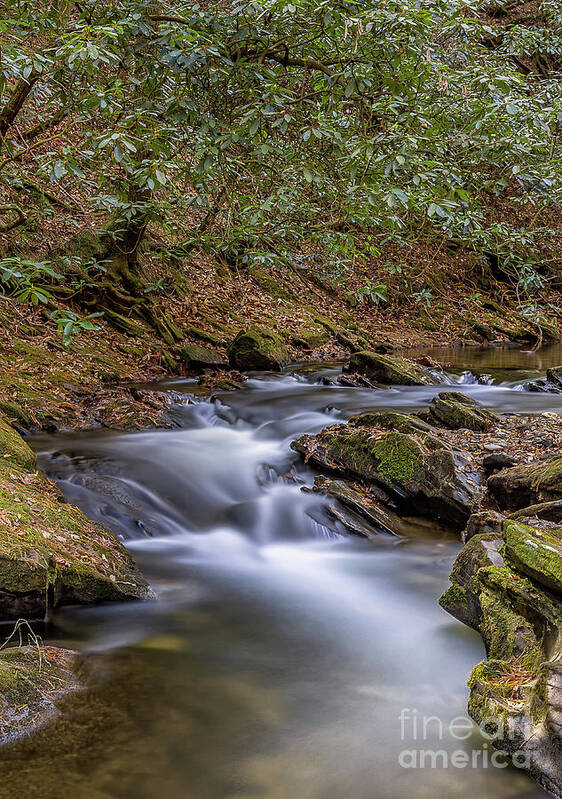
{"type": "Point", "coordinates": [495, 478]}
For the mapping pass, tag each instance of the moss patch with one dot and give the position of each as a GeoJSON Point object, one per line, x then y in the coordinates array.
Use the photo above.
{"type": "Point", "coordinates": [400, 457]}
{"type": "Point", "coordinates": [535, 551]}
{"type": "Point", "coordinates": [50, 551]}
{"type": "Point", "coordinates": [32, 680]}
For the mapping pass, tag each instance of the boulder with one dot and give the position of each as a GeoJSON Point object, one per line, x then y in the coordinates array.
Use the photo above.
{"type": "Point", "coordinates": [420, 475]}
{"type": "Point", "coordinates": [528, 484]}
{"type": "Point", "coordinates": [257, 348]}
{"type": "Point", "coordinates": [390, 369]}
{"type": "Point", "coordinates": [50, 553]}
{"type": "Point", "coordinates": [507, 587]}
{"type": "Point", "coordinates": [456, 411]}
{"type": "Point", "coordinates": [546, 511]}
{"type": "Point", "coordinates": [198, 356]}
{"type": "Point", "coordinates": [536, 552]}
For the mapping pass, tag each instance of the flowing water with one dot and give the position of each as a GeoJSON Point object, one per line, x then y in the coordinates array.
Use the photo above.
{"type": "Point", "coordinates": [282, 659]}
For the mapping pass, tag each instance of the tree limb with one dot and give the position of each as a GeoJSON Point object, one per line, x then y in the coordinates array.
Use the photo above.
{"type": "Point", "coordinates": [21, 217]}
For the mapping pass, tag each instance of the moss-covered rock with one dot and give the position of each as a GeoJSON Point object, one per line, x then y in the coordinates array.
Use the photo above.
{"type": "Point", "coordinates": [391, 420]}
{"type": "Point", "coordinates": [33, 679]}
{"type": "Point", "coordinates": [517, 693]}
{"type": "Point", "coordinates": [422, 479]}
{"type": "Point", "coordinates": [536, 552]}
{"type": "Point", "coordinates": [13, 449]}
{"type": "Point", "coordinates": [257, 348]}
{"type": "Point", "coordinates": [49, 551]}
{"type": "Point", "coordinates": [527, 484]}
{"type": "Point", "coordinates": [455, 411]}
{"type": "Point", "coordinates": [390, 369]}
{"type": "Point", "coordinates": [197, 356]}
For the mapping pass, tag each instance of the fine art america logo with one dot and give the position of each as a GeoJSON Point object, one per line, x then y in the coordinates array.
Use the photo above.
{"type": "Point", "coordinates": [418, 731]}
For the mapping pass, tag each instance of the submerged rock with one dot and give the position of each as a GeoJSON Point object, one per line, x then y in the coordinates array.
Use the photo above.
{"type": "Point", "coordinates": [50, 553]}
{"type": "Point", "coordinates": [257, 348]}
{"type": "Point", "coordinates": [527, 485]}
{"type": "Point", "coordinates": [455, 411]}
{"type": "Point", "coordinates": [390, 369]}
{"type": "Point", "coordinates": [33, 679]}
{"type": "Point", "coordinates": [507, 586]}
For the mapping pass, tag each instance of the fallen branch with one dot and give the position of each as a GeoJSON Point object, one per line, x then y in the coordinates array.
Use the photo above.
{"type": "Point", "coordinates": [21, 217]}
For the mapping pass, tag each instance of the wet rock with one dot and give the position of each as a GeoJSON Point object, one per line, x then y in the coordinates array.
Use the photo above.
{"type": "Point", "coordinates": [419, 474]}
{"type": "Point", "coordinates": [360, 512]}
{"type": "Point", "coordinates": [50, 553]}
{"type": "Point", "coordinates": [542, 386]}
{"type": "Point", "coordinates": [554, 375]}
{"type": "Point", "coordinates": [198, 356]}
{"type": "Point", "coordinates": [497, 461]}
{"type": "Point", "coordinates": [389, 369]}
{"type": "Point", "coordinates": [257, 348]}
{"type": "Point", "coordinates": [527, 484]}
{"type": "Point", "coordinates": [456, 411]}
{"type": "Point", "coordinates": [355, 381]}
{"type": "Point", "coordinates": [483, 522]}
{"type": "Point", "coordinates": [506, 587]}
{"type": "Point", "coordinates": [33, 679]}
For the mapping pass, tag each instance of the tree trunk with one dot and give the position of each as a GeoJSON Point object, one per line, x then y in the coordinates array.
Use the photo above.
{"type": "Point", "coordinates": [16, 101]}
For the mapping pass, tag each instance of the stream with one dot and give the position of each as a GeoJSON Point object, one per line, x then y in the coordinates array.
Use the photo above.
{"type": "Point", "coordinates": [283, 658]}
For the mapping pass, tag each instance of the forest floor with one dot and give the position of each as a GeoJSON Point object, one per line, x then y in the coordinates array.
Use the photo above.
{"type": "Point", "coordinates": [98, 379]}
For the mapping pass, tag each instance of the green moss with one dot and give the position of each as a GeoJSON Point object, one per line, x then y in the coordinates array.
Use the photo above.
{"type": "Point", "coordinates": [456, 411]}
{"type": "Point", "coordinates": [456, 602]}
{"type": "Point", "coordinates": [535, 551]}
{"type": "Point", "coordinates": [391, 420]}
{"type": "Point", "coordinates": [15, 411]}
{"type": "Point", "coordinates": [400, 457]}
{"type": "Point", "coordinates": [506, 632]}
{"type": "Point", "coordinates": [13, 449]}
{"type": "Point", "coordinates": [270, 285]}
{"type": "Point", "coordinates": [44, 542]}
{"type": "Point", "coordinates": [257, 348]}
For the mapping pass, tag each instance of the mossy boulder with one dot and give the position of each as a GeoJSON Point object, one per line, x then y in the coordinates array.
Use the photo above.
{"type": "Point", "coordinates": [420, 478]}
{"type": "Point", "coordinates": [257, 348]}
{"type": "Point", "coordinates": [389, 369]}
{"type": "Point", "coordinates": [505, 587]}
{"type": "Point", "coordinates": [535, 551]}
{"type": "Point", "coordinates": [456, 411]}
{"type": "Point", "coordinates": [391, 420]}
{"type": "Point", "coordinates": [198, 356]}
{"type": "Point", "coordinates": [33, 679]}
{"type": "Point", "coordinates": [50, 552]}
{"type": "Point", "coordinates": [13, 449]}
{"type": "Point", "coordinates": [527, 484]}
